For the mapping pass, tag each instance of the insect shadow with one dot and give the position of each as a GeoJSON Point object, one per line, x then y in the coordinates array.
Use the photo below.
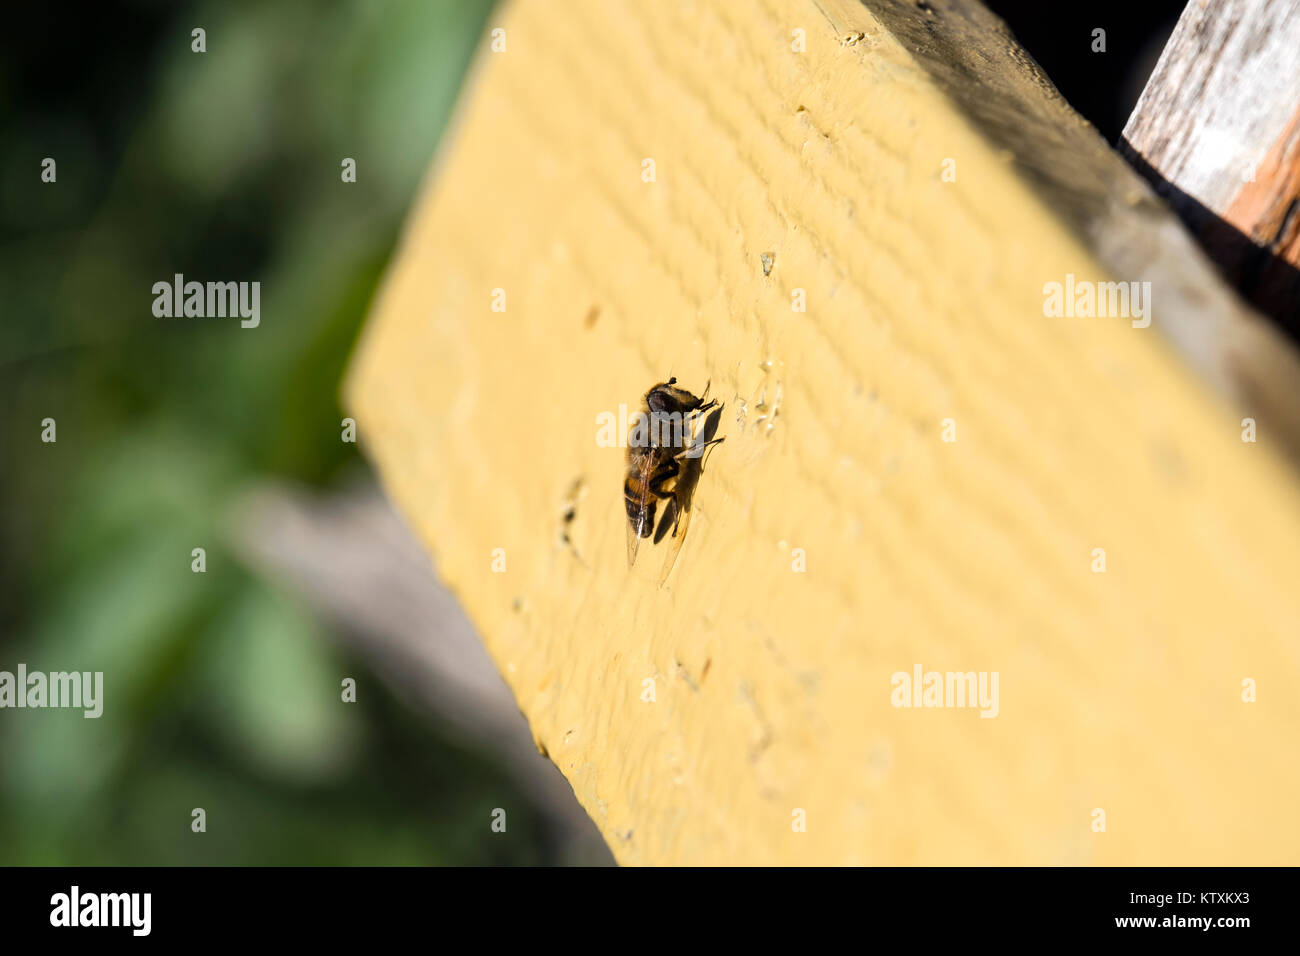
{"type": "Point", "coordinates": [688, 477]}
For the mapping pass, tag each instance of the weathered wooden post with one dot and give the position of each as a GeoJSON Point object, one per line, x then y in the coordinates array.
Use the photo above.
{"type": "Point", "coordinates": [1217, 131]}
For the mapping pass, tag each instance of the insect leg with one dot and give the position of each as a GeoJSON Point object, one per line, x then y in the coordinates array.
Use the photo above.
{"type": "Point", "coordinates": [697, 450]}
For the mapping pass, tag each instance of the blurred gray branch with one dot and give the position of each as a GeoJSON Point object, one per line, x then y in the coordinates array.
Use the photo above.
{"type": "Point", "coordinates": [349, 555]}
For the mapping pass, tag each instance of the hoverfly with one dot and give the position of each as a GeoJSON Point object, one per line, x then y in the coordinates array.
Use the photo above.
{"type": "Point", "coordinates": [664, 463]}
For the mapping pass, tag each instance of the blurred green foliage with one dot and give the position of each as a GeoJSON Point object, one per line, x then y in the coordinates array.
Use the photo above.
{"type": "Point", "coordinates": [222, 165]}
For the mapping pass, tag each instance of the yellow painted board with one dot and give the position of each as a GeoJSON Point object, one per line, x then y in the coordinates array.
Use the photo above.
{"type": "Point", "coordinates": [1118, 691]}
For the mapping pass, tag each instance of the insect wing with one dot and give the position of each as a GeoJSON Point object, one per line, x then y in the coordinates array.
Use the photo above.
{"type": "Point", "coordinates": [633, 540]}
{"type": "Point", "coordinates": [638, 520]}
{"type": "Point", "coordinates": [691, 464]}
{"type": "Point", "coordinates": [681, 520]}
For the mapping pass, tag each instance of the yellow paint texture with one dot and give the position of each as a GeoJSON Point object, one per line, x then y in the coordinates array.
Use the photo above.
{"type": "Point", "coordinates": [1119, 690]}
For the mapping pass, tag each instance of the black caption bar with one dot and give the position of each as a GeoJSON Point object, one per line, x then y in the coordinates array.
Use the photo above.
{"type": "Point", "coordinates": [334, 905]}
